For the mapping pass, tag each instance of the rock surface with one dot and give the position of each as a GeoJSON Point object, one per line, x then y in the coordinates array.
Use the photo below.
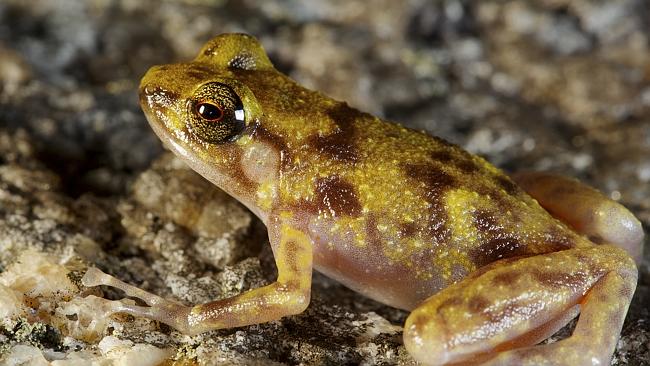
{"type": "Point", "coordinates": [555, 85]}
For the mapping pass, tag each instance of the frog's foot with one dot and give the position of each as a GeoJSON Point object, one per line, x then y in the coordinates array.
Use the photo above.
{"type": "Point", "coordinates": [499, 315]}
{"type": "Point", "coordinates": [159, 309]}
{"type": "Point", "coordinates": [289, 295]}
{"type": "Point", "coordinates": [586, 210]}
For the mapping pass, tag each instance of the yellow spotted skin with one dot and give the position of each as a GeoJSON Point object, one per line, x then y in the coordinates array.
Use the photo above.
{"type": "Point", "coordinates": [395, 214]}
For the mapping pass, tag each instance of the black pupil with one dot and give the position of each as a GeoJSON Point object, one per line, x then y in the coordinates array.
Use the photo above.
{"type": "Point", "coordinates": [209, 111]}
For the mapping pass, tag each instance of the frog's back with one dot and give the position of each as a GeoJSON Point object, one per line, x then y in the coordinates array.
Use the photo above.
{"type": "Point", "coordinates": [385, 201]}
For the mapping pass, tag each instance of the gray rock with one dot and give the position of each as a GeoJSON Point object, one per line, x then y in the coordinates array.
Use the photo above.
{"type": "Point", "coordinates": [552, 85]}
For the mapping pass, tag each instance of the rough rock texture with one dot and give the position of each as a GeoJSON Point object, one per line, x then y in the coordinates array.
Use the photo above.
{"type": "Point", "coordinates": [549, 85]}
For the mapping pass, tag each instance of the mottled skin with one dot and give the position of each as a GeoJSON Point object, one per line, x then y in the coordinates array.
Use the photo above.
{"type": "Point", "coordinates": [402, 217]}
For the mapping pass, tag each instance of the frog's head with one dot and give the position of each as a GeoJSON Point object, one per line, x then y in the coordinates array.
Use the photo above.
{"type": "Point", "coordinates": [204, 102]}
{"type": "Point", "coordinates": [205, 112]}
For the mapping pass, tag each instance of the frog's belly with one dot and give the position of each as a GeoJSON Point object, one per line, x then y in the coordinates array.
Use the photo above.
{"type": "Point", "coordinates": [366, 270]}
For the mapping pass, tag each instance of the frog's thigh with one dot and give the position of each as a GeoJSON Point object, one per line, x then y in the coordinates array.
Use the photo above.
{"type": "Point", "coordinates": [585, 209]}
{"type": "Point", "coordinates": [503, 311]}
{"type": "Point", "coordinates": [288, 295]}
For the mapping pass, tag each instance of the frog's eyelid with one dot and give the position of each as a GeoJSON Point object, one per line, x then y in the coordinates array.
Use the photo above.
{"type": "Point", "coordinates": [243, 61]}
{"type": "Point", "coordinates": [236, 50]}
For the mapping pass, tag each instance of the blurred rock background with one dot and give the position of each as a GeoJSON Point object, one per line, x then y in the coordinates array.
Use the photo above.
{"type": "Point", "coordinates": [549, 85]}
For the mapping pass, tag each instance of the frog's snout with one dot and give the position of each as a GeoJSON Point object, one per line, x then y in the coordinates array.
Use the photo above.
{"type": "Point", "coordinates": [153, 96]}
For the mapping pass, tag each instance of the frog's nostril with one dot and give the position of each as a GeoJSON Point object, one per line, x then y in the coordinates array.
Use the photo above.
{"type": "Point", "coordinates": [142, 94]}
{"type": "Point", "coordinates": [156, 96]}
{"type": "Point", "coordinates": [147, 90]}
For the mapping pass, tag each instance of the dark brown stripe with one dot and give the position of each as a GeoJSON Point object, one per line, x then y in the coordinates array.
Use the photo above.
{"type": "Point", "coordinates": [485, 221]}
{"type": "Point", "coordinates": [237, 172]}
{"type": "Point", "coordinates": [262, 134]}
{"type": "Point", "coordinates": [560, 279]}
{"type": "Point", "coordinates": [456, 157]}
{"type": "Point", "coordinates": [496, 248]}
{"type": "Point", "coordinates": [336, 196]}
{"type": "Point", "coordinates": [373, 237]}
{"type": "Point", "coordinates": [340, 144]}
{"type": "Point", "coordinates": [407, 230]}
{"type": "Point", "coordinates": [506, 278]}
{"type": "Point", "coordinates": [436, 183]}
{"type": "Point", "coordinates": [478, 304]}
{"type": "Point", "coordinates": [505, 183]}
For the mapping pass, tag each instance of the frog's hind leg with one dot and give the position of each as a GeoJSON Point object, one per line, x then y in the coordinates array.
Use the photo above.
{"type": "Point", "coordinates": [498, 315]}
{"type": "Point", "coordinates": [585, 209]}
{"type": "Point", "coordinates": [593, 340]}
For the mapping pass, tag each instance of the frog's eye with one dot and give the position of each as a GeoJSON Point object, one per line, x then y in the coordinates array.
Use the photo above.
{"type": "Point", "coordinates": [216, 113]}
{"type": "Point", "coordinates": [209, 111]}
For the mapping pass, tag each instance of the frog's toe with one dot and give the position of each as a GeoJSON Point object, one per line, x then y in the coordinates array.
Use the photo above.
{"type": "Point", "coordinates": [109, 307]}
{"type": "Point", "coordinates": [95, 277]}
{"type": "Point", "coordinates": [164, 311]}
{"type": "Point", "coordinates": [170, 313]}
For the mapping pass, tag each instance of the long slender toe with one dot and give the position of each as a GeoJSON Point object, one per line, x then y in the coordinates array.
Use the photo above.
{"type": "Point", "coordinates": [95, 277]}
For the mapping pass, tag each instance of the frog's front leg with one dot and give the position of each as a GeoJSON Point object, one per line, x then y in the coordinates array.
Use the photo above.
{"type": "Point", "coordinates": [289, 295]}
{"type": "Point", "coordinates": [498, 314]}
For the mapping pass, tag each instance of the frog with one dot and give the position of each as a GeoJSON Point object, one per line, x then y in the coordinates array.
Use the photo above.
{"type": "Point", "coordinates": [488, 264]}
